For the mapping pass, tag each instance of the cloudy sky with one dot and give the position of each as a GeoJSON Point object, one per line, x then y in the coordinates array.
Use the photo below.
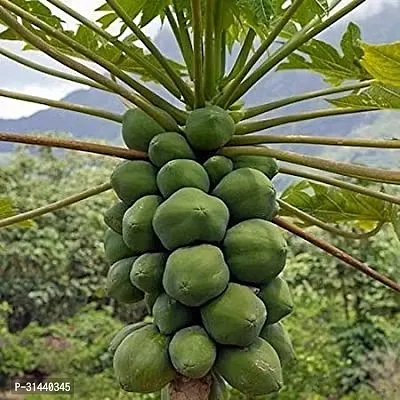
{"type": "Point", "coordinates": [17, 78]}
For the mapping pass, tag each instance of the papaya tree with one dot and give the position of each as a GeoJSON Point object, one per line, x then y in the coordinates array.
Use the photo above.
{"type": "Point", "coordinates": [197, 226]}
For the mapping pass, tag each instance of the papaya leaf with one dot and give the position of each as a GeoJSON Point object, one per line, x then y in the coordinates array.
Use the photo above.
{"type": "Point", "coordinates": [309, 9]}
{"type": "Point", "coordinates": [383, 62]}
{"type": "Point", "coordinates": [335, 205]}
{"type": "Point", "coordinates": [380, 96]}
{"type": "Point", "coordinates": [7, 210]}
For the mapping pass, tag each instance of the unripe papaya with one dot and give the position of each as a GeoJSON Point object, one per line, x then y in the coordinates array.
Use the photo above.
{"type": "Point", "coordinates": [170, 315]}
{"type": "Point", "coordinates": [217, 167]}
{"type": "Point", "coordinates": [248, 193]}
{"type": "Point", "coordinates": [177, 174]}
{"type": "Point", "coordinates": [123, 333]}
{"type": "Point", "coordinates": [195, 275]}
{"type": "Point", "coordinates": [141, 362]}
{"type": "Point", "coordinates": [277, 299]}
{"type": "Point", "coordinates": [209, 128]}
{"type": "Point", "coordinates": [149, 301]}
{"type": "Point", "coordinates": [277, 336]}
{"type": "Point", "coordinates": [132, 180]}
{"type": "Point", "coordinates": [255, 251]}
{"type": "Point", "coordinates": [188, 216]}
{"type": "Point", "coordinates": [266, 165]}
{"type": "Point", "coordinates": [219, 389]}
{"type": "Point", "coordinates": [147, 272]}
{"type": "Point", "coordinates": [192, 352]}
{"type": "Point", "coordinates": [138, 129]}
{"type": "Point", "coordinates": [113, 216]}
{"type": "Point", "coordinates": [118, 284]}
{"type": "Point", "coordinates": [115, 248]}
{"type": "Point", "coordinates": [137, 228]}
{"type": "Point", "coordinates": [169, 146]}
{"type": "Point", "coordinates": [253, 370]}
{"type": "Point", "coordinates": [234, 318]}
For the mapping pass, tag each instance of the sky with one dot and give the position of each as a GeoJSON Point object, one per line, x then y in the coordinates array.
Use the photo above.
{"type": "Point", "coordinates": [20, 79]}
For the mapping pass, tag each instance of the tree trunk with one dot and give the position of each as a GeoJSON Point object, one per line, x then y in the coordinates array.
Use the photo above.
{"type": "Point", "coordinates": [190, 389]}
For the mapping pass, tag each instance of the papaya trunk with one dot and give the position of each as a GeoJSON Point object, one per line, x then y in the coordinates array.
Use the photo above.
{"type": "Point", "coordinates": [190, 389]}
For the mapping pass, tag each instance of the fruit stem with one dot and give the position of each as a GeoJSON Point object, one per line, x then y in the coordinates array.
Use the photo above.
{"type": "Point", "coordinates": [58, 205]}
{"type": "Point", "coordinates": [148, 94]}
{"type": "Point", "coordinates": [294, 211]}
{"type": "Point", "coordinates": [50, 71]}
{"type": "Point", "coordinates": [252, 127]}
{"type": "Point", "coordinates": [336, 252]}
{"type": "Point", "coordinates": [264, 108]}
{"type": "Point", "coordinates": [198, 53]}
{"type": "Point", "coordinates": [76, 145]}
{"type": "Point", "coordinates": [165, 121]}
{"type": "Point", "coordinates": [63, 105]}
{"type": "Point", "coordinates": [338, 183]}
{"type": "Point", "coordinates": [337, 167]}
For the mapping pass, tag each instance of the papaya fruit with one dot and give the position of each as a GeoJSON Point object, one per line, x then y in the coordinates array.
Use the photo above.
{"type": "Point", "coordinates": [132, 180]}
{"type": "Point", "coordinates": [234, 318]}
{"type": "Point", "coordinates": [248, 193]}
{"type": "Point", "coordinates": [141, 362]}
{"type": "Point", "coordinates": [147, 272]}
{"type": "Point", "coordinates": [138, 129]}
{"type": "Point", "coordinates": [115, 248]}
{"type": "Point", "coordinates": [188, 216]}
{"type": "Point", "coordinates": [277, 336]}
{"type": "Point", "coordinates": [267, 165]}
{"type": "Point", "coordinates": [209, 128]}
{"type": "Point", "coordinates": [219, 389]}
{"type": "Point", "coordinates": [119, 285]}
{"type": "Point", "coordinates": [277, 299]}
{"type": "Point", "coordinates": [192, 352]}
{"type": "Point", "coordinates": [113, 216]}
{"type": "Point", "coordinates": [255, 251]}
{"type": "Point", "coordinates": [254, 370]}
{"type": "Point", "coordinates": [123, 333]}
{"type": "Point", "coordinates": [177, 174]}
{"type": "Point", "coordinates": [149, 300]}
{"type": "Point", "coordinates": [170, 315]}
{"type": "Point", "coordinates": [195, 275]}
{"type": "Point", "coordinates": [169, 146]}
{"type": "Point", "coordinates": [217, 167]}
{"type": "Point", "coordinates": [137, 225]}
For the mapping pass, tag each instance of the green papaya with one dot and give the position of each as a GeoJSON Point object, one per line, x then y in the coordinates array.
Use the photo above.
{"type": "Point", "coordinates": [254, 370]}
{"type": "Point", "coordinates": [219, 389]}
{"type": "Point", "coordinates": [195, 275]}
{"type": "Point", "coordinates": [132, 180]}
{"type": "Point", "coordinates": [141, 362]}
{"type": "Point", "coordinates": [137, 225]}
{"type": "Point", "coordinates": [113, 216]}
{"type": "Point", "coordinates": [169, 146]}
{"type": "Point", "coordinates": [177, 174]}
{"type": "Point", "coordinates": [149, 301]}
{"type": "Point", "coordinates": [248, 193]}
{"type": "Point", "coordinates": [277, 299]}
{"type": "Point", "coordinates": [234, 318]}
{"type": "Point", "coordinates": [217, 167]}
{"type": "Point", "coordinates": [267, 165]}
{"type": "Point", "coordinates": [118, 284]}
{"type": "Point", "coordinates": [123, 333]}
{"type": "Point", "coordinates": [138, 129]}
{"type": "Point", "coordinates": [209, 128]}
{"type": "Point", "coordinates": [192, 352]}
{"type": "Point", "coordinates": [170, 315]}
{"type": "Point", "coordinates": [188, 216]}
{"type": "Point", "coordinates": [147, 272]}
{"type": "Point", "coordinates": [255, 251]}
{"type": "Point", "coordinates": [277, 336]}
{"type": "Point", "coordinates": [115, 248]}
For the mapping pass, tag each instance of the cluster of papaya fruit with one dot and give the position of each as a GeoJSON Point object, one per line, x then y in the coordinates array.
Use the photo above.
{"type": "Point", "coordinates": [192, 236]}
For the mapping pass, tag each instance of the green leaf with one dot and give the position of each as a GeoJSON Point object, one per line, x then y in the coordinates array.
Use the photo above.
{"type": "Point", "coordinates": [383, 62]}
{"type": "Point", "coordinates": [7, 210]}
{"type": "Point", "coordinates": [396, 223]}
{"type": "Point", "coordinates": [309, 9]}
{"type": "Point", "coordinates": [377, 96]}
{"type": "Point", "coordinates": [335, 205]}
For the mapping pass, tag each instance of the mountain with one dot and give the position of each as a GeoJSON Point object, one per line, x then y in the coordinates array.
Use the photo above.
{"type": "Point", "coordinates": [382, 27]}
